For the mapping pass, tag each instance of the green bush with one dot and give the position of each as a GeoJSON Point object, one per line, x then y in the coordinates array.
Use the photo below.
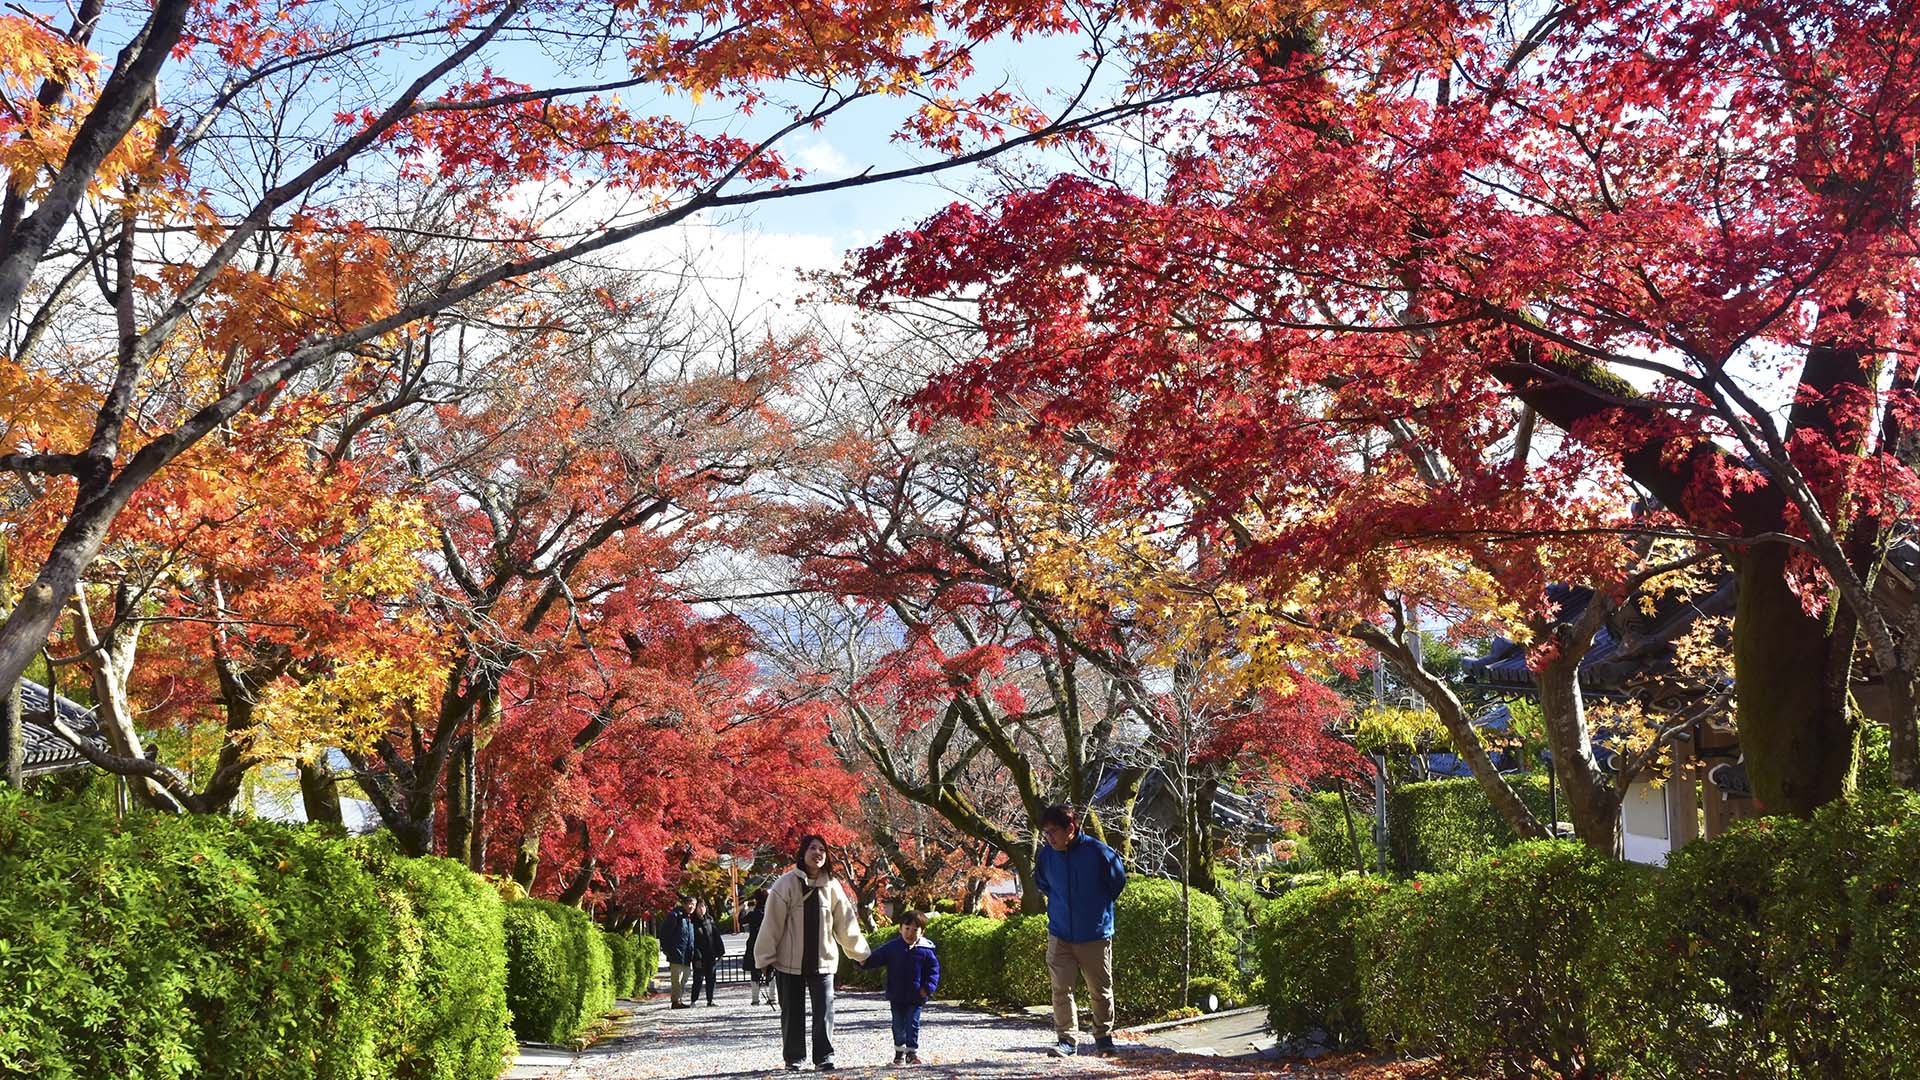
{"type": "Point", "coordinates": [211, 947]}
{"type": "Point", "coordinates": [1025, 980]}
{"type": "Point", "coordinates": [1147, 947]}
{"type": "Point", "coordinates": [458, 1027]}
{"type": "Point", "coordinates": [646, 963]}
{"type": "Point", "coordinates": [559, 970]}
{"type": "Point", "coordinates": [1782, 948]}
{"type": "Point", "coordinates": [854, 977]}
{"type": "Point", "coordinates": [1308, 939]}
{"type": "Point", "coordinates": [1328, 844]}
{"type": "Point", "coordinates": [1494, 955]}
{"type": "Point", "coordinates": [620, 950]}
{"type": "Point", "coordinates": [972, 950]}
{"type": "Point", "coordinates": [1438, 826]}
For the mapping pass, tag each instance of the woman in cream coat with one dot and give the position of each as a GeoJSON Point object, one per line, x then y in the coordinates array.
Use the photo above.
{"type": "Point", "coordinates": [808, 921]}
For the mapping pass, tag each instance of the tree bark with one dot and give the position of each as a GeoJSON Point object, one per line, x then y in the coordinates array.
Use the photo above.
{"type": "Point", "coordinates": [1592, 804]}
{"type": "Point", "coordinates": [320, 794]}
{"type": "Point", "coordinates": [460, 799]}
{"type": "Point", "coordinates": [1796, 734]}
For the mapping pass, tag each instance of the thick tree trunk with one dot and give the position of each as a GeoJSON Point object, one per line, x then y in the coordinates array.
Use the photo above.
{"type": "Point", "coordinates": [13, 746]}
{"type": "Point", "coordinates": [526, 860]}
{"type": "Point", "coordinates": [460, 799]}
{"type": "Point", "coordinates": [1796, 734]}
{"type": "Point", "coordinates": [1031, 901]}
{"type": "Point", "coordinates": [1200, 861]}
{"type": "Point", "coordinates": [1117, 823]}
{"type": "Point", "coordinates": [1586, 792]}
{"type": "Point", "coordinates": [319, 794]}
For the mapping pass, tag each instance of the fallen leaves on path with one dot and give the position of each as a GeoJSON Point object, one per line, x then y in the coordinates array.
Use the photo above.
{"type": "Point", "coordinates": [1151, 1065]}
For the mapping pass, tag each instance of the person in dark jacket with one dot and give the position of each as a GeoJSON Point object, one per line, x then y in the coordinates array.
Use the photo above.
{"type": "Point", "coordinates": [1081, 878]}
{"type": "Point", "coordinates": [762, 978]}
{"type": "Point", "coordinates": [676, 942]}
{"type": "Point", "coordinates": [708, 948]}
{"type": "Point", "coordinates": [913, 973]}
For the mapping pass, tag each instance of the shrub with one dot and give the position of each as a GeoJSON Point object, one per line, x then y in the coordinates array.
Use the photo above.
{"type": "Point", "coordinates": [972, 952]}
{"type": "Point", "coordinates": [620, 951]}
{"type": "Point", "coordinates": [1438, 826]}
{"type": "Point", "coordinates": [646, 962]}
{"type": "Point", "coordinates": [163, 947]}
{"type": "Point", "coordinates": [1328, 844]}
{"type": "Point", "coordinates": [559, 971]}
{"type": "Point", "coordinates": [1147, 946]}
{"type": "Point", "coordinates": [1494, 953]}
{"type": "Point", "coordinates": [459, 1027]}
{"type": "Point", "coordinates": [1199, 988]}
{"type": "Point", "coordinates": [1307, 944]}
{"type": "Point", "coordinates": [1025, 980]}
{"type": "Point", "coordinates": [1240, 906]}
{"type": "Point", "coordinates": [854, 977]}
{"type": "Point", "coordinates": [1782, 950]}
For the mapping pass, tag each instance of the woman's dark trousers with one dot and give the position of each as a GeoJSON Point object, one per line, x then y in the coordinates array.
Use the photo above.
{"type": "Point", "coordinates": [795, 992]}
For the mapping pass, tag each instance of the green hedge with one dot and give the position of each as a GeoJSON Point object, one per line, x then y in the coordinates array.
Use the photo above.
{"type": "Point", "coordinates": [1147, 947]}
{"type": "Point", "coordinates": [1483, 967]}
{"type": "Point", "coordinates": [1327, 842]}
{"type": "Point", "coordinates": [1433, 826]}
{"type": "Point", "coordinates": [620, 951]}
{"type": "Point", "coordinates": [1025, 980]}
{"type": "Point", "coordinates": [646, 963]}
{"type": "Point", "coordinates": [1780, 950]}
{"type": "Point", "coordinates": [559, 970]}
{"type": "Point", "coordinates": [1307, 939]}
{"type": "Point", "coordinates": [204, 946]}
{"type": "Point", "coordinates": [1437, 826]}
{"type": "Point", "coordinates": [972, 951]}
{"type": "Point", "coordinates": [1785, 949]}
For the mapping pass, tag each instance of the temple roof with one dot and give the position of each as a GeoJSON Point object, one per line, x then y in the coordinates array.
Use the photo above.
{"type": "Point", "coordinates": [47, 752]}
{"type": "Point", "coordinates": [1634, 643]}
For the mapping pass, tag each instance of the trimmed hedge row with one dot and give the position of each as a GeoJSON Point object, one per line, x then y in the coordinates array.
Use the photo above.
{"type": "Point", "coordinates": [210, 947]}
{"type": "Point", "coordinates": [1779, 950]}
{"type": "Point", "coordinates": [635, 959]}
{"type": "Point", "coordinates": [1433, 826]}
{"type": "Point", "coordinates": [559, 970]}
{"type": "Point", "coordinates": [1004, 960]}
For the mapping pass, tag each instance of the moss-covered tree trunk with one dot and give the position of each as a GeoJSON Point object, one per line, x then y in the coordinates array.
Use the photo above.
{"type": "Point", "coordinates": [320, 794]}
{"type": "Point", "coordinates": [459, 798]}
{"type": "Point", "coordinates": [1792, 672]}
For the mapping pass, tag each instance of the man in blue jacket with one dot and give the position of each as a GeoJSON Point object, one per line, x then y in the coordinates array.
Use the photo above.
{"type": "Point", "coordinates": [676, 942]}
{"type": "Point", "coordinates": [1081, 878]}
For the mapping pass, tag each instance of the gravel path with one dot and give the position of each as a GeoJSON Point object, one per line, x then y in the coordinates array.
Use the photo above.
{"type": "Point", "coordinates": [735, 1039]}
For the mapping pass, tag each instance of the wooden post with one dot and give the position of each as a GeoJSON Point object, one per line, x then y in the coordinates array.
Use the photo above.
{"type": "Point", "coordinates": [1683, 794]}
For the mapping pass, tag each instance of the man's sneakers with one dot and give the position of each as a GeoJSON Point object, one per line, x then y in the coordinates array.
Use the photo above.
{"type": "Point", "coordinates": [1064, 1048]}
{"type": "Point", "coordinates": [824, 1066]}
{"type": "Point", "coordinates": [793, 1066]}
{"type": "Point", "coordinates": [899, 1055]}
{"type": "Point", "coordinates": [913, 1058]}
{"type": "Point", "coordinates": [1103, 1046]}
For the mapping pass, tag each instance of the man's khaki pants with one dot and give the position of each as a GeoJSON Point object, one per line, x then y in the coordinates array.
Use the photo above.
{"type": "Point", "coordinates": [679, 974]}
{"type": "Point", "coordinates": [1067, 961]}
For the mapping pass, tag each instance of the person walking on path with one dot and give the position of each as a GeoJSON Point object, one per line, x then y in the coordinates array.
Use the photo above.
{"type": "Point", "coordinates": [913, 973]}
{"type": "Point", "coordinates": [808, 921]}
{"type": "Point", "coordinates": [1081, 878]}
{"type": "Point", "coordinates": [708, 948]}
{"type": "Point", "coordinates": [676, 942]}
{"type": "Point", "coordinates": [761, 978]}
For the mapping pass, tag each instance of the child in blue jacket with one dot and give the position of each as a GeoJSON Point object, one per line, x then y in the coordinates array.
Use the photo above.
{"type": "Point", "coordinates": [913, 971]}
